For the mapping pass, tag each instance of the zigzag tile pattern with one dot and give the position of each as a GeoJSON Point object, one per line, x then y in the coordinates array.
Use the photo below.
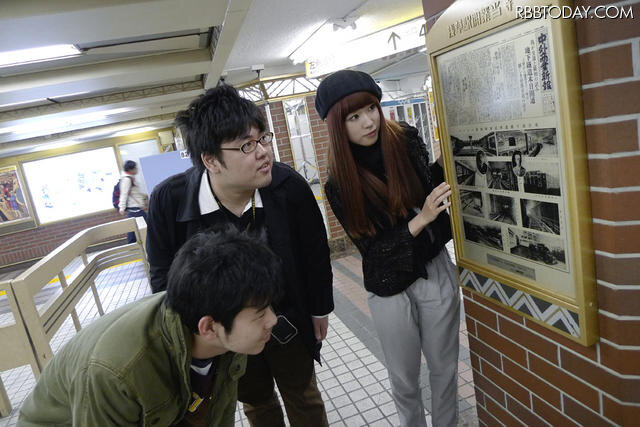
{"type": "Point", "coordinates": [551, 314]}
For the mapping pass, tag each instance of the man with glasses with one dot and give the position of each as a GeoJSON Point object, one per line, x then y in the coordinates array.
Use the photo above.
{"type": "Point", "coordinates": [236, 183]}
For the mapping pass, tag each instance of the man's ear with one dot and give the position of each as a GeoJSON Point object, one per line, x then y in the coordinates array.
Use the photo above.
{"type": "Point", "coordinates": [208, 328]}
{"type": "Point", "coordinates": [211, 162]}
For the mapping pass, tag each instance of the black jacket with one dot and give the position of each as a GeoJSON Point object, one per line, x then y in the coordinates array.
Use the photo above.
{"type": "Point", "coordinates": [393, 259]}
{"type": "Point", "coordinates": [295, 230]}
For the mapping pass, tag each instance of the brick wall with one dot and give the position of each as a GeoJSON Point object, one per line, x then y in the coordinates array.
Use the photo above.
{"type": "Point", "coordinates": [38, 242]}
{"type": "Point", "coordinates": [281, 132]}
{"type": "Point", "coordinates": [526, 374]}
{"type": "Point", "coordinates": [321, 143]}
{"type": "Point", "coordinates": [337, 236]}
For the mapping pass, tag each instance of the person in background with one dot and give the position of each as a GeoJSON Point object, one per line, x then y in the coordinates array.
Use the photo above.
{"type": "Point", "coordinates": [173, 358]}
{"type": "Point", "coordinates": [392, 204]}
{"type": "Point", "coordinates": [236, 183]}
{"type": "Point", "coordinates": [133, 200]}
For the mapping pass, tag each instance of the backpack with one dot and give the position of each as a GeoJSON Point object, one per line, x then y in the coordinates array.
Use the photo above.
{"type": "Point", "coordinates": [115, 196]}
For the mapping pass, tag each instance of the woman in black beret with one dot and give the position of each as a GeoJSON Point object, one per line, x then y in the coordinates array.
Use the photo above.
{"type": "Point", "coordinates": [392, 204]}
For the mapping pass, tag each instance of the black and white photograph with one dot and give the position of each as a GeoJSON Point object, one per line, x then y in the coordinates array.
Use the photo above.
{"type": "Point", "coordinates": [503, 209]}
{"type": "Point", "coordinates": [516, 164]}
{"type": "Point", "coordinates": [541, 142]}
{"type": "Point", "coordinates": [469, 146]}
{"type": "Point", "coordinates": [537, 247]}
{"type": "Point", "coordinates": [542, 178]}
{"type": "Point", "coordinates": [500, 176]}
{"type": "Point", "coordinates": [529, 142]}
{"type": "Point", "coordinates": [482, 233]}
{"type": "Point", "coordinates": [466, 172]}
{"type": "Point", "coordinates": [507, 142]}
{"type": "Point", "coordinates": [542, 216]}
{"type": "Point", "coordinates": [482, 165]}
{"type": "Point", "coordinates": [471, 203]}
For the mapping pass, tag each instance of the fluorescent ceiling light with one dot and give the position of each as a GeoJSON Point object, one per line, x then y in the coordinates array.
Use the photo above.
{"type": "Point", "coordinates": [60, 123]}
{"type": "Point", "coordinates": [28, 101]}
{"type": "Point", "coordinates": [326, 38]}
{"type": "Point", "coordinates": [51, 146]}
{"type": "Point", "coordinates": [132, 131]}
{"type": "Point", "coordinates": [66, 95]}
{"type": "Point", "coordinates": [36, 54]}
{"type": "Point", "coordinates": [383, 43]}
{"type": "Point", "coordinates": [31, 101]}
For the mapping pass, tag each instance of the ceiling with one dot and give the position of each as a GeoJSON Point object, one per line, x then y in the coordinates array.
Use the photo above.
{"type": "Point", "coordinates": [142, 61]}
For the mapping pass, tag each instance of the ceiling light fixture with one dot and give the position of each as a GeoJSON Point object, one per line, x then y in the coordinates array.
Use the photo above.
{"type": "Point", "coordinates": [28, 101]}
{"type": "Point", "coordinates": [54, 145]}
{"type": "Point", "coordinates": [44, 53]}
{"type": "Point", "coordinates": [59, 123]}
{"type": "Point", "coordinates": [332, 33]}
{"type": "Point", "coordinates": [383, 43]}
{"type": "Point", "coordinates": [343, 23]}
{"type": "Point", "coordinates": [133, 131]}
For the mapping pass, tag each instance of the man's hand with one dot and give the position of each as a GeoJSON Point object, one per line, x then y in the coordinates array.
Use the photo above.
{"type": "Point", "coordinates": [123, 213]}
{"type": "Point", "coordinates": [320, 326]}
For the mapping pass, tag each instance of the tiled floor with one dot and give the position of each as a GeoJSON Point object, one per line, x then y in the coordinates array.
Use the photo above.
{"type": "Point", "coordinates": [352, 379]}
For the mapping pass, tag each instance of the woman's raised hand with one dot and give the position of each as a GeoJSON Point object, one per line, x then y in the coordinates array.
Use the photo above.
{"type": "Point", "coordinates": [434, 204]}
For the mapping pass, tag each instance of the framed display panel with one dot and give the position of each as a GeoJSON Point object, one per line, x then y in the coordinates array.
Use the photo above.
{"type": "Point", "coordinates": [15, 208]}
{"type": "Point", "coordinates": [72, 185]}
{"type": "Point", "coordinates": [510, 116]}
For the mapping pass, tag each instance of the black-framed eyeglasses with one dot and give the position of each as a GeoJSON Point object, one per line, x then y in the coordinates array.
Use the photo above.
{"type": "Point", "coordinates": [250, 146]}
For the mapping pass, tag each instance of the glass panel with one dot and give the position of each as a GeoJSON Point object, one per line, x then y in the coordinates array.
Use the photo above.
{"type": "Point", "coordinates": [252, 93]}
{"type": "Point", "coordinates": [304, 155]}
{"type": "Point", "coordinates": [72, 185]}
{"type": "Point", "coordinates": [137, 150]}
{"type": "Point", "coordinates": [418, 119]}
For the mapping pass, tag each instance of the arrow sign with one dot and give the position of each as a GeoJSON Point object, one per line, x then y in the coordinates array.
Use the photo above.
{"type": "Point", "coordinates": [393, 37]}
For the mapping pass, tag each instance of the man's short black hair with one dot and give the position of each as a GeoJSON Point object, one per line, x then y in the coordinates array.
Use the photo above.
{"type": "Point", "coordinates": [220, 273]}
{"type": "Point", "coordinates": [129, 165]}
{"type": "Point", "coordinates": [219, 115]}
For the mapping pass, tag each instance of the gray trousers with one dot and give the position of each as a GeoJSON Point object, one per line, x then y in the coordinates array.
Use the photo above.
{"type": "Point", "coordinates": [425, 317]}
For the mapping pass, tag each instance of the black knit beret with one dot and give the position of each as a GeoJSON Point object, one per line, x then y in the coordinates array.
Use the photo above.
{"type": "Point", "coordinates": [340, 84]}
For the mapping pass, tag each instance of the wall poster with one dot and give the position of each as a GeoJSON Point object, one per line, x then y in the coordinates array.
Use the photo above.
{"type": "Point", "coordinates": [504, 142]}
{"type": "Point", "coordinates": [71, 185]}
{"type": "Point", "coordinates": [15, 212]}
{"type": "Point", "coordinates": [510, 159]}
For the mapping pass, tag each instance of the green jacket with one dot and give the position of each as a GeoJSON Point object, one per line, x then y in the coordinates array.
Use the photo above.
{"type": "Point", "coordinates": [131, 367]}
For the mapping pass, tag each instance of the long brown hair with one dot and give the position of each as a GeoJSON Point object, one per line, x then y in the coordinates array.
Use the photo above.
{"type": "Point", "coordinates": [393, 199]}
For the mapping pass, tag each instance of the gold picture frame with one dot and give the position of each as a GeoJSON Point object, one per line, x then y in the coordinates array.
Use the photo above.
{"type": "Point", "coordinates": [508, 103]}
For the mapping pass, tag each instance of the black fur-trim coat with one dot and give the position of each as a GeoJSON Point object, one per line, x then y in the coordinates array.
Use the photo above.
{"type": "Point", "coordinates": [393, 259]}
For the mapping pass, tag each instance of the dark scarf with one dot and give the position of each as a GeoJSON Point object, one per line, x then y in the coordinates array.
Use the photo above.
{"type": "Point", "coordinates": [370, 158]}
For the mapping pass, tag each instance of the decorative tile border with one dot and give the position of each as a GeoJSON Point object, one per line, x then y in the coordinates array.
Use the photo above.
{"type": "Point", "coordinates": [554, 316]}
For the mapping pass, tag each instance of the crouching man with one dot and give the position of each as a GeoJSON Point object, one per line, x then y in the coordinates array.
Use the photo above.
{"type": "Point", "coordinates": [171, 358]}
